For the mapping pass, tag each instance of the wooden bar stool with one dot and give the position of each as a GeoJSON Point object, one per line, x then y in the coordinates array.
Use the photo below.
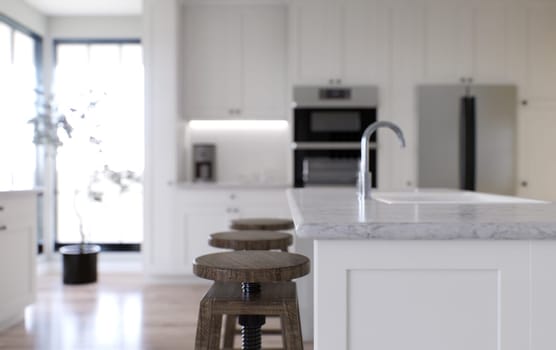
{"type": "Point", "coordinates": [248, 240]}
{"type": "Point", "coordinates": [252, 284]}
{"type": "Point", "coordinates": [264, 224]}
{"type": "Point", "coordinates": [251, 240]}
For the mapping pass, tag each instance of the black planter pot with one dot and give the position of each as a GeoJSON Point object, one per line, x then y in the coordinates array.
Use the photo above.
{"type": "Point", "coordinates": [79, 263]}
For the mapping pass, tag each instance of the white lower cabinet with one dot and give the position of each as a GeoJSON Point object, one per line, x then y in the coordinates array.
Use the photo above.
{"type": "Point", "coordinates": [200, 212]}
{"type": "Point", "coordinates": [198, 224]}
{"type": "Point", "coordinates": [17, 255]}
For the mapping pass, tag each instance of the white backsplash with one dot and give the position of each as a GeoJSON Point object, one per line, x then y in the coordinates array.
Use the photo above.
{"type": "Point", "coordinates": [243, 156]}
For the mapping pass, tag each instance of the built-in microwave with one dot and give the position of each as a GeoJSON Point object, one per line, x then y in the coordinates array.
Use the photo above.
{"type": "Point", "coordinates": [327, 125]}
{"type": "Point", "coordinates": [324, 114]}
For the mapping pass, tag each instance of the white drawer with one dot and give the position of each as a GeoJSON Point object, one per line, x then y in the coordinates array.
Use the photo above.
{"type": "Point", "coordinates": [17, 212]}
{"type": "Point", "coordinates": [196, 197]}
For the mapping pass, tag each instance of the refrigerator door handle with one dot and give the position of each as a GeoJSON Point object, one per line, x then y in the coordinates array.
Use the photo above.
{"type": "Point", "coordinates": [468, 144]}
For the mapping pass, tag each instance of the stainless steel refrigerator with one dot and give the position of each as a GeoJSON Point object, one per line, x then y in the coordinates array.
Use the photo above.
{"type": "Point", "coordinates": [467, 137]}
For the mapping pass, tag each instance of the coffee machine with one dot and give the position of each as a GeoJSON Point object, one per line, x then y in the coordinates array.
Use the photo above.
{"type": "Point", "coordinates": [204, 157]}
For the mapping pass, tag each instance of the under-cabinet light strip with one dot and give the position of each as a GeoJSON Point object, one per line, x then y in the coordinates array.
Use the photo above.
{"type": "Point", "coordinates": [238, 124]}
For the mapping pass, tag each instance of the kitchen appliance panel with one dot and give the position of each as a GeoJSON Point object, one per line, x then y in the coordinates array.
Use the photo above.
{"type": "Point", "coordinates": [439, 139]}
{"type": "Point", "coordinates": [332, 124]}
{"type": "Point", "coordinates": [335, 97]}
{"type": "Point", "coordinates": [329, 167]}
{"type": "Point", "coordinates": [204, 162]}
{"type": "Point", "coordinates": [328, 123]}
{"type": "Point", "coordinates": [487, 163]}
{"type": "Point", "coordinates": [496, 135]}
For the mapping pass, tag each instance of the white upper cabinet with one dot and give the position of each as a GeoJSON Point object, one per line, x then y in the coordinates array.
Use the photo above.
{"type": "Point", "coordinates": [264, 62]}
{"type": "Point", "coordinates": [467, 41]}
{"type": "Point", "coordinates": [541, 52]}
{"type": "Point", "coordinates": [212, 60]}
{"type": "Point", "coordinates": [447, 45]}
{"type": "Point", "coordinates": [235, 61]}
{"type": "Point", "coordinates": [335, 42]}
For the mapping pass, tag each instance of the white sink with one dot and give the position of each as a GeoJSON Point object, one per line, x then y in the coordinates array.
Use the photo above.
{"type": "Point", "coordinates": [446, 197]}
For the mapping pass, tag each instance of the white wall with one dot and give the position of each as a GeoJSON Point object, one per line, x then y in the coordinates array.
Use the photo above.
{"type": "Point", "coordinates": [19, 11]}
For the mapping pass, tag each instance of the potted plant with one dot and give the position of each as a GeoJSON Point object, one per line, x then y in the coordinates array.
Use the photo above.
{"type": "Point", "coordinates": [80, 260]}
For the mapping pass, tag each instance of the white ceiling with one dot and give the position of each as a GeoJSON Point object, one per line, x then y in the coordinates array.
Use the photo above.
{"type": "Point", "coordinates": [87, 7]}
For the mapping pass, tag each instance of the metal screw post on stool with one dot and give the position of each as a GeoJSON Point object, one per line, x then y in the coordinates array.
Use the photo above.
{"type": "Point", "coordinates": [251, 324]}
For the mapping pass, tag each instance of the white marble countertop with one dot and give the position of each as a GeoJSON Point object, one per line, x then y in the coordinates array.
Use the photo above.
{"type": "Point", "coordinates": [337, 213]}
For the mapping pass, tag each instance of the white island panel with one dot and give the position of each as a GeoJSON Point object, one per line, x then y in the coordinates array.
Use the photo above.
{"type": "Point", "coordinates": [395, 295]}
{"type": "Point", "coordinates": [453, 309]}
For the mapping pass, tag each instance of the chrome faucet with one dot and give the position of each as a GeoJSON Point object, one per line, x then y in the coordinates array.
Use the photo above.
{"type": "Point", "coordinates": [364, 174]}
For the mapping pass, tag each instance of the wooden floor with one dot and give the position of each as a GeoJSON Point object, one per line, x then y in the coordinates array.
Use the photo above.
{"type": "Point", "coordinates": [119, 312]}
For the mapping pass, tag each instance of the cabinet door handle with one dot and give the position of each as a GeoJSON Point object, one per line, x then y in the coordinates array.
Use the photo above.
{"type": "Point", "coordinates": [1, 208]}
{"type": "Point", "coordinates": [338, 81]}
{"type": "Point", "coordinates": [3, 228]}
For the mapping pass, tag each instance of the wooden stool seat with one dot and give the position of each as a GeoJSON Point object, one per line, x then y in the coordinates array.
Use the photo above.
{"type": "Point", "coordinates": [251, 266]}
{"type": "Point", "coordinates": [251, 240]}
{"type": "Point", "coordinates": [265, 224]}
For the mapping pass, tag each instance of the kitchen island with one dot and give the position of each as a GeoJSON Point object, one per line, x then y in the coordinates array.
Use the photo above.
{"type": "Point", "coordinates": [433, 273]}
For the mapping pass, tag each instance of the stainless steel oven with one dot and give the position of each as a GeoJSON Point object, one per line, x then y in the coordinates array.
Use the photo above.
{"type": "Point", "coordinates": [327, 125]}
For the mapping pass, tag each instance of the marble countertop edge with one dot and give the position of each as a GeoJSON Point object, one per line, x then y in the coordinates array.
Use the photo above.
{"type": "Point", "coordinates": [325, 215]}
{"type": "Point", "coordinates": [428, 231]}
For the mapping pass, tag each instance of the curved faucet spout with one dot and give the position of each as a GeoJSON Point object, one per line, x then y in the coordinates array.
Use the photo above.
{"type": "Point", "coordinates": [364, 175]}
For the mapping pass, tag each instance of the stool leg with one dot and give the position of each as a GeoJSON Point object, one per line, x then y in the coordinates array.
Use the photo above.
{"type": "Point", "coordinates": [229, 332]}
{"type": "Point", "coordinates": [291, 326]}
{"type": "Point", "coordinates": [209, 326]}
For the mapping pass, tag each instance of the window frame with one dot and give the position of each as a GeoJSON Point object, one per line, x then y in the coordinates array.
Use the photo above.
{"type": "Point", "coordinates": [38, 41]}
{"type": "Point", "coordinates": [78, 41]}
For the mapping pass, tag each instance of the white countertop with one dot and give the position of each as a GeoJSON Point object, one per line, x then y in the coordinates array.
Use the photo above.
{"type": "Point", "coordinates": [337, 213]}
{"type": "Point", "coordinates": [9, 192]}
